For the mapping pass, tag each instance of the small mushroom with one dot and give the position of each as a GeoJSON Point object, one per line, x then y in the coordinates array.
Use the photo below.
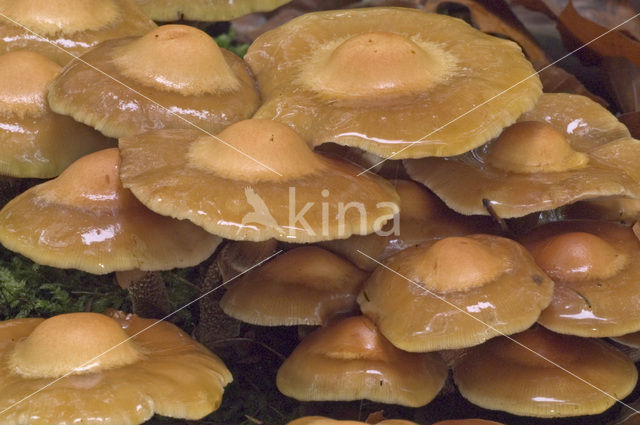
{"type": "Point", "coordinates": [351, 360]}
{"type": "Point", "coordinates": [542, 374]}
{"type": "Point", "coordinates": [175, 76]}
{"type": "Point", "coordinates": [304, 286]}
{"type": "Point", "coordinates": [568, 148]}
{"type": "Point", "coordinates": [91, 368]}
{"type": "Point", "coordinates": [394, 82]}
{"type": "Point", "coordinates": [34, 141]}
{"type": "Point", "coordinates": [64, 28]}
{"type": "Point", "coordinates": [258, 180]}
{"type": "Point", "coordinates": [457, 292]}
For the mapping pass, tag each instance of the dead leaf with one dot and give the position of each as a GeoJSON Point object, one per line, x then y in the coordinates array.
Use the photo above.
{"type": "Point", "coordinates": [557, 80]}
{"type": "Point", "coordinates": [375, 417]}
{"type": "Point", "coordinates": [632, 121]}
{"type": "Point", "coordinates": [621, 78]}
{"type": "Point", "coordinates": [578, 31]}
{"type": "Point", "coordinates": [550, 8]}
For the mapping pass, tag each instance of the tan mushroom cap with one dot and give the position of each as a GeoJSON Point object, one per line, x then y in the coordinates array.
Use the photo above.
{"type": "Point", "coordinates": [34, 141]}
{"type": "Point", "coordinates": [67, 27]}
{"type": "Point", "coordinates": [596, 268]}
{"type": "Point", "coordinates": [537, 380]}
{"type": "Point", "coordinates": [320, 420]}
{"type": "Point", "coordinates": [412, 84]}
{"type": "Point", "coordinates": [423, 216]}
{"type": "Point", "coordinates": [257, 180]}
{"type": "Point", "coordinates": [179, 76]}
{"type": "Point", "coordinates": [351, 360]}
{"type": "Point", "coordinates": [84, 219]}
{"type": "Point", "coordinates": [458, 291]}
{"type": "Point", "coordinates": [141, 367]}
{"type": "Point", "coordinates": [566, 149]}
{"type": "Point", "coordinates": [304, 286]}
{"type": "Point", "coordinates": [205, 10]}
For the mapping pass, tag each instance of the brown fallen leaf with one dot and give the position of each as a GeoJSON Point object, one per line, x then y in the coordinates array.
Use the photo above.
{"type": "Point", "coordinates": [557, 80]}
{"type": "Point", "coordinates": [632, 121]}
{"type": "Point", "coordinates": [578, 31]}
{"type": "Point", "coordinates": [621, 78]}
{"type": "Point", "coordinates": [375, 417]}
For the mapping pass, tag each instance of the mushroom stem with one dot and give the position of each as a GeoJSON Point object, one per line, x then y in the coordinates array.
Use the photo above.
{"type": "Point", "coordinates": [504, 227]}
{"type": "Point", "coordinates": [148, 293]}
{"type": "Point", "coordinates": [213, 324]}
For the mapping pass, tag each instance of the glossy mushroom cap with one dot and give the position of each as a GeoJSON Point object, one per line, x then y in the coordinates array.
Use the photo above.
{"type": "Point", "coordinates": [35, 142]}
{"type": "Point", "coordinates": [413, 84]}
{"type": "Point", "coordinates": [67, 27]}
{"type": "Point", "coordinates": [423, 216]}
{"type": "Point", "coordinates": [304, 286]}
{"type": "Point", "coordinates": [175, 76]}
{"type": "Point", "coordinates": [351, 360]}
{"type": "Point", "coordinates": [85, 219]}
{"type": "Point", "coordinates": [568, 148]}
{"type": "Point", "coordinates": [141, 366]}
{"type": "Point", "coordinates": [531, 375]}
{"type": "Point", "coordinates": [255, 181]}
{"type": "Point", "coordinates": [205, 10]}
{"type": "Point", "coordinates": [319, 420]}
{"type": "Point", "coordinates": [458, 291]}
{"type": "Point", "coordinates": [595, 266]}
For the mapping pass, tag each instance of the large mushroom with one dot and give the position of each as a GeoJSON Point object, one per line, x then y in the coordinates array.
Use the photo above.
{"type": "Point", "coordinates": [395, 82]}
{"type": "Point", "coordinates": [205, 10]}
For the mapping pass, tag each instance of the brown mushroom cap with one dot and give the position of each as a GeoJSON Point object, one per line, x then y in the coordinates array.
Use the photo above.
{"type": "Point", "coordinates": [351, 360]}
{"type": "Point", "coordinates": [461, 291]}
{"type": "Point", "coordinates": [141, 367]}
{"type": "Point", "coordinates": [423, 216]}
{"type": "Point", "coordinates": [320, 420]}
{"type": "Point", "coordinates": [205, 10]}
{"type": "Point", "coordinates": [566, 149]}
{"type": "Point", "coordinates": [408, 81]}
{"type": "Point", "coordinates": [34, 141]}
{"type": "Point", "coordinates": [542, 385]}
{"type": "Point", "coordinates": [84, 219]}
{"type": "Point", "coordinates": [261, 182]}
{"type": "Point", "coordinates": [183, 77]}
{"type": "Point", "coordinates": [596, 268]}
{"type": "Point", "coordinates": [72, 26]}
{"type": "Point", "coordinates": [304, 286]}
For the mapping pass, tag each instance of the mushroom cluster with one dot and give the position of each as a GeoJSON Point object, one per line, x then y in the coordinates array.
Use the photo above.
{"type": "Point", "coordinates": [402, 279]}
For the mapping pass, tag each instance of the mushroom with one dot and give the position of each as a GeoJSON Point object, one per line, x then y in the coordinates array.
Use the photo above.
{"type": "Point", "coordinates": [596, 268]}
{"type": "Point", "coordinates": [62, 29]}
{"type": "Point", "coordinates": [90, 368]}
{"type": "Point", "coordinates": [396, 82]}
{"type": "Point", "coordinates": [34, 141]}
{"type": "Point", "coordinates": [458, 292]}
{"type": "Point", "coordinates": [257, 180]}
{"type": "Point", "coordinates": [175, 76]}
{"type": "Point", "coordinates": [351, 360]}
{"type": "Point", "coordinates": [205, 10]}
{"type": "Point", "coordinates": [423, 216]}
{"type": "Point", "coordinates": [568, 148]}
{"type": "Point", "coordinates": [304, 286]}
{"type": "Point", "coordinates": [542, 374]}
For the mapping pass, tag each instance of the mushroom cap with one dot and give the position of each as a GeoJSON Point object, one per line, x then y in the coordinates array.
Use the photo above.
{"type": "Point", "coordinates": [236, 257]}
{"type": "Point", "coordinates": [458, 291]}
{"type": "Point", "coordinates": [183, 78]}
{"type": "Point", "coordinates": [140, 365]}
{"type": "Point", "coordinates": [566, 149]}
{"type": "Point", "coordinates": [85, 219]}
{"type": "Point", "coordinates": [423, 216]}
{"type": "Point", "coordinates": [412, 84]}
{"type": "Point", "coordinates": [304, 286]}
{"type": "Point", "coordinates": [351, 360]}
{"type": "Point", "coordinates": [596, 268]}
{"type": "Point", "coordinates": [67, 27]}
{"type": "Point", "coordinates": [205, 10]}
{"type": "Point", "coordinates": [34, 141]}
{"type": "Point", "coordinates": [257, 180]}
{"type": "Point", "coordinates": [320, 420]}
{"type": "Point", "coordinates": [542, 385]}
